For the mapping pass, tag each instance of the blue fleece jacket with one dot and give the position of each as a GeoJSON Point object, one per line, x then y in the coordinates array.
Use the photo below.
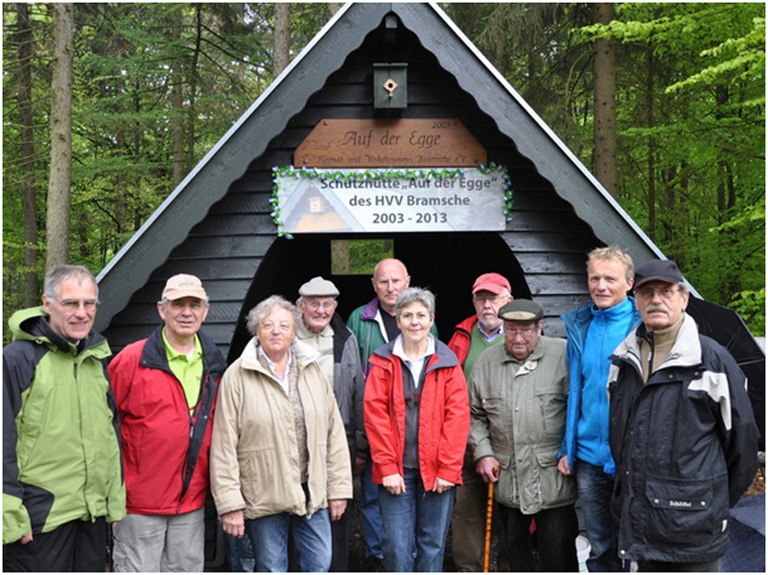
{"type": "Point", "coordinates": [593, 334]}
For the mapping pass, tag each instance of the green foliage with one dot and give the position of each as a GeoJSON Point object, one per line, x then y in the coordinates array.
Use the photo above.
{"type": "Point", "coordinates": [365, 254]}
{"type": "Point", "coordinates": [690, 116]}
{"type": "Point", "coordinates": [751, 306]}
{"type": "Point", "coordinates": [693, 141]}
{"type": "Point", "coordinates": [128, 59]}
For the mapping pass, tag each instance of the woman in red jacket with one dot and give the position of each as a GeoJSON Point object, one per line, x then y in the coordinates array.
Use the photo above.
{"type": "Point", "coordinates": [417, 422]}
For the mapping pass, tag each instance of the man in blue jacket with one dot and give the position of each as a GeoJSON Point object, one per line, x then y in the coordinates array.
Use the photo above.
{"type": "Point", "coordinates": [594, 330]}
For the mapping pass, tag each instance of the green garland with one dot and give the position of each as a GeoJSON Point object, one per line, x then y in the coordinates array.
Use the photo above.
{"type": "Point", "coordinates": [381, 174]}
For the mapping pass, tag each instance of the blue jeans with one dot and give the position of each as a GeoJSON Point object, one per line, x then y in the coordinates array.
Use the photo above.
{"type": "Point", "coordinates": [311, 537]}
{"type": "Point", "coordinates": [595, 488]}
{"type": "Point", "coordinates": [415, 525]}
{"type": "Point", "coordinates": [369, 509]}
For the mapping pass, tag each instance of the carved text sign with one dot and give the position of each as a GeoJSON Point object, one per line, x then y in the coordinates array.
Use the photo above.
{"type": "Point", "coordinates": [403, 143]}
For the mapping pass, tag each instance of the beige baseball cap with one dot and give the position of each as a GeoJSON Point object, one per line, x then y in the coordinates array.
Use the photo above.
{"type": "Point", "coordinates": [184, 285]}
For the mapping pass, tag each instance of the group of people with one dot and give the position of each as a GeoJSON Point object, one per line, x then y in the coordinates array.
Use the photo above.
{"type": "Point", "coordinates": [636, 416]}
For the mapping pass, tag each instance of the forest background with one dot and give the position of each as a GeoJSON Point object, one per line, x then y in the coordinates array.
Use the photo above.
{"type": "Point", "coordinates": [106, 108]}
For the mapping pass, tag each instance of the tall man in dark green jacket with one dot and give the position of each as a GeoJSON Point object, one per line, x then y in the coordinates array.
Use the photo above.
{"type": "Point", "coordinates": [62, 480]}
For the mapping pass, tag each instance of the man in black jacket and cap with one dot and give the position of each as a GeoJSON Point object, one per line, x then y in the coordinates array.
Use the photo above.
{"type": "Point", "coordinates": [682, 432]}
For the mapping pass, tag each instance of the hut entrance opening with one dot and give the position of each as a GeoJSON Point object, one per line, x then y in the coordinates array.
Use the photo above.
{"type": "Point", "coordinates": [445, 263]}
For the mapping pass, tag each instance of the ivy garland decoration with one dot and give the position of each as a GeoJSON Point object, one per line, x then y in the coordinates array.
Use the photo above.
{"type": "Point", "coordinates": [381, 174]}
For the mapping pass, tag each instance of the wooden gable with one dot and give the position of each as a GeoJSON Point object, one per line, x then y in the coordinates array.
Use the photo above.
{"type": "Point", "coordinates": [218, 225]}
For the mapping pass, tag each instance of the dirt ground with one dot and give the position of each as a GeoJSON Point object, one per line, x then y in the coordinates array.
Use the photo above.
{"type": "Point", "coordinates": [758, 484]}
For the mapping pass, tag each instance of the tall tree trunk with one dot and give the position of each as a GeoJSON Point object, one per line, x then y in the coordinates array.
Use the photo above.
{"type": "Point", "coordinates": [651, 147]}
{"type": "Point", "coordinates": [177, 121]}
{"type": "Point", "coordinates": [726, 201]}
{"type": "Point", "coordinates": [193, 78]}
{"type": "Point", "coordinates": [60, 181]}
{"type": "Point", "coordinates": [605, 104]}
{"type": "Point", "coordinates": [26, 133]}
{"type": "Point", "coordinates": [282, 37]}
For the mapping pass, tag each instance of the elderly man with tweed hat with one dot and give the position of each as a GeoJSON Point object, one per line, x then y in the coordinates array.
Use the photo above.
{"type": "Point", "coordinates": [518, 393]}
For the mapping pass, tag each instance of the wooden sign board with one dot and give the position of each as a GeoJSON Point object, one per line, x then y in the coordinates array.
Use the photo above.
{"type": "Point", "coordinates": [471, 201]}
{"type": "Point", "coordinates": [402, 143]}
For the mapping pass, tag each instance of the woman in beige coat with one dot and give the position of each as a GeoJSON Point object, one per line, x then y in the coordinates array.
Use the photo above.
{"type": "Point", "coordinates": [279, 458]}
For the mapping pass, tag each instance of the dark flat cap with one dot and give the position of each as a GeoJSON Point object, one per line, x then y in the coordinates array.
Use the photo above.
{"type": "Point", "coordinates": [522, 310]}
{"type": "Point", "coordinates": [658, 270]}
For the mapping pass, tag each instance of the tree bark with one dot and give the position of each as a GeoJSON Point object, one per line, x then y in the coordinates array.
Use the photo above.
{"type": "Point", "coordinates": [193, 75]}
{"type": "Point", "coordinates": [282, 37]}
{"type": "Point", "coordinates": [605, 104]}
{"type": "Point", "coordinates": [651, 147]}
{"type": "Point", "coordinates": [177, 121]}
{"type": "Point", "coordinates": [60, 179]}
{"type": "Point", "coordinates": [26, 133]}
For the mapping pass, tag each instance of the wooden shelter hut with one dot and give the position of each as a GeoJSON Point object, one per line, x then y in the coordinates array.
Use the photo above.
{"type": "Point", "coordinates": [218, 225]}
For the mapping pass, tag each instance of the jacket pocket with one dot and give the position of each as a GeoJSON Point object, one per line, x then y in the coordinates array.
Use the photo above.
{"type": "Point", "coordinates": [497, 411]}
{"type": "Point", "coordinates": [556, 489]}
{"type": "Point", "coordinates": [552, 404]}
{"type": "Point", "coordinates": [258, 467]}
{"type": "Point", "coordinates": [506, 490]}
{"type": "Point", "coordinates": [684, 512]}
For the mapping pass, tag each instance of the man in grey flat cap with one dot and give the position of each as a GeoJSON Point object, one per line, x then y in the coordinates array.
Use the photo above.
{"type": "Point", "coordinates": [518, 394]}
{"type": "Point", "coordinates": [325, 338]}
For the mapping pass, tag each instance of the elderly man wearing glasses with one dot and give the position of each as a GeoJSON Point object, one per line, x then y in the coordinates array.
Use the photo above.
{"type": "Point", "coordinates": [333, 346]}
{"type": "Point", "coordinates": [682, 433]}
{"type": "Point", "coordinates": [518, 394]}
{"type": "Point", "coordinates": [165, 387]}
{"type": "Point", "coordinates": [62, 481]}
{"type": "Point", "coordinates": [470, 338]}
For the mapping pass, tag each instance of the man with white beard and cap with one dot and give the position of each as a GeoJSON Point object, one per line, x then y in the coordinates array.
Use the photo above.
{"type": "Point", "coordinates": [471, 337]}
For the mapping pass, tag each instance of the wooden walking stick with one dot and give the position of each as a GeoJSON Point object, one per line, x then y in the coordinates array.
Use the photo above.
{"type": "Point", "coordinates": [488, 527]}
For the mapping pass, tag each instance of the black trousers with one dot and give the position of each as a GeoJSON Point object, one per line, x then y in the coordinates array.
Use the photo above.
{"type": "Point", "coordinates": [669, 567]}
{"type": "Point", "coordinates": [341, 531]}
{"type": "Point", "coordinates": [74, 546]}
{"type": "Point", "coordinates": [556, 531]}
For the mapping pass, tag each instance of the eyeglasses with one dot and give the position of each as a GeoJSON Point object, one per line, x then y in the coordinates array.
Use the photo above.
{"type": "Point", "coordinates": [490, 299]}
{"type": "Point", "coordinates": [72, 305]}
{"type": "Point", "coordinates": [525, 332]}
{"type": "Point", "coordinates": [326, 305]}
{"type": "Point", "coordinates": [284, 327]}
{"type": "Point", "coordinates": [647, 293]}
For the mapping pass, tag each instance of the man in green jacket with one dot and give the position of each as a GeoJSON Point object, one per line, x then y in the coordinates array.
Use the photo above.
{"type": "Point", "coordinates": [517, 394]}
{"type": "Point", "coordinates": [62, 479]}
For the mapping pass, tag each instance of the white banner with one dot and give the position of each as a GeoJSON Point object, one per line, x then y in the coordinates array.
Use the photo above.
{"type": "Point", "coordinates": [332, 201]}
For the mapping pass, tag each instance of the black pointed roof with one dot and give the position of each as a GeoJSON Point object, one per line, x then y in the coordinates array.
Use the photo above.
{"type": "Point", "coordinates": [249, 137]}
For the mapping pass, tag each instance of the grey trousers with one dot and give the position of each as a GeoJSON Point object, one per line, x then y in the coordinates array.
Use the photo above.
{"type": "Point", "coordinates": [147, 543]}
